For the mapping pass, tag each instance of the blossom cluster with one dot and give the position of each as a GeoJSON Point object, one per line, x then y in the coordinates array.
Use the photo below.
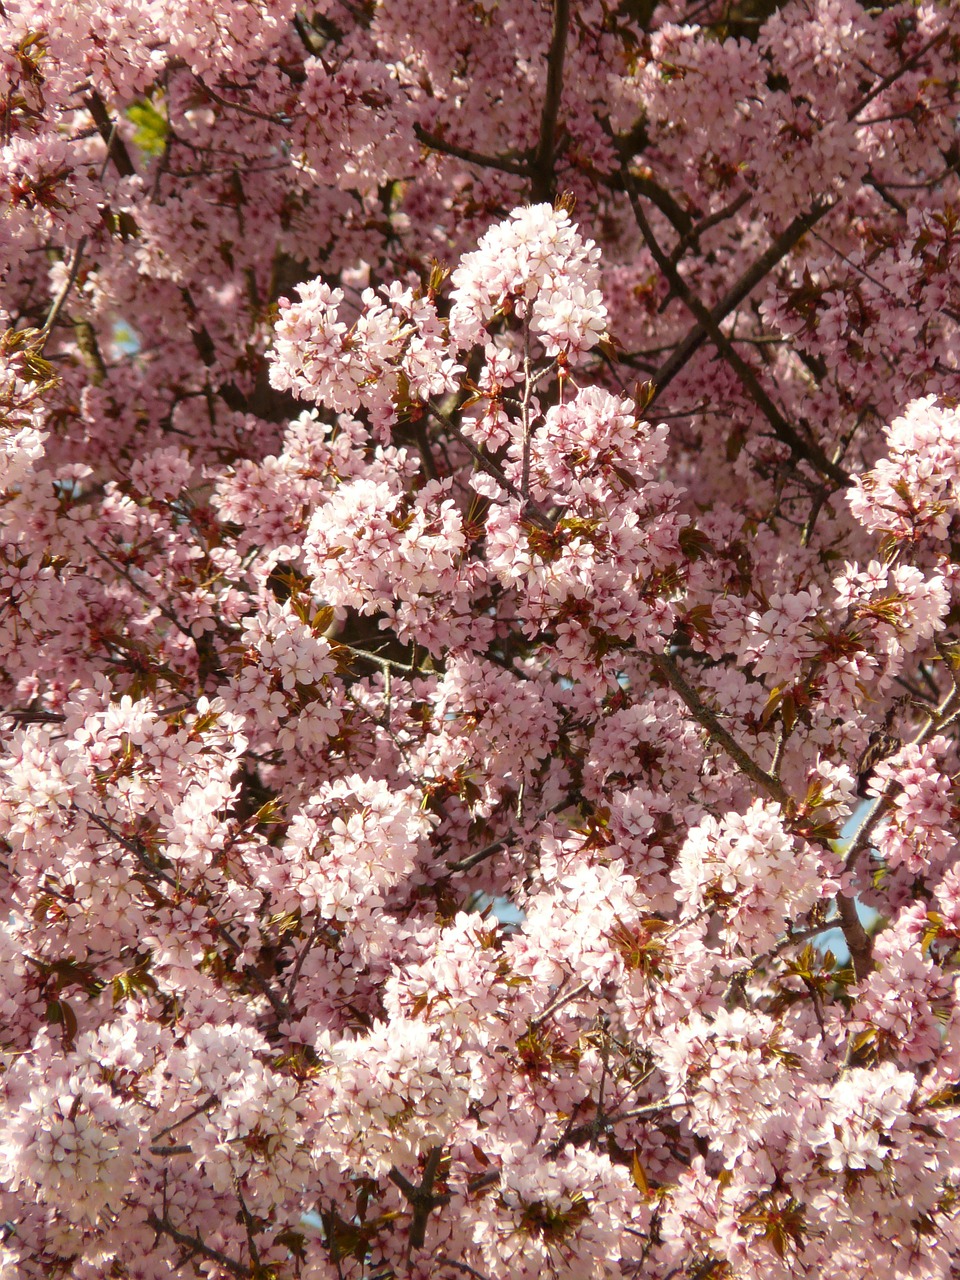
{"type": "Point", "coordinates": [479, 646]}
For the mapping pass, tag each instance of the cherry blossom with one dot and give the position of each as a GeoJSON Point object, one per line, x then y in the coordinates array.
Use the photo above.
{"type": "Point", "coordinates": [479, 654]}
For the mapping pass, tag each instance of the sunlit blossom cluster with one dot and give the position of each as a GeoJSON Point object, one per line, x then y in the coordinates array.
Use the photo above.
{"type": "Point", "coordinates": [479, 650]}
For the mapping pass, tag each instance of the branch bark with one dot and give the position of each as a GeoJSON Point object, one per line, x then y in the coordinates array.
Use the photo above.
{"type": "Point", "coordinates": [702, 713]}
{"type": "Point", "coordinates": [542, 175]}
{"type": "Point", "coordinates": [802, 448]}
{"type": "Point", "coordinates": [163, 1226]}
{"type": "Point", "coordinates": [698, 335]}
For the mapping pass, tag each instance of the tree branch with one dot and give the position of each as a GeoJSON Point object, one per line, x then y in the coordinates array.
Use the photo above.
{"type": "Point", "coordinates": [501, 164]}
{"type": "Point", "coordinates": [220, 930]}
{"type": "Point", "coordinates": [527, 507]}
{"type": "Point", "coordinates": [886, 81]}
{"type": "Point", "coordinates": [702, 713]}
{"type": "Point", "coordinates": [858, 941]}
{"type": "Point", "coordinates": [543, 184]}
{"type": "Point", "coordinates": [697, 336]}
{"type": "Point", "coordinates": [812, 453]}
{"type": "Point", "coordinates": [421, 1198]}
{"type": "Point", "coordinates": [107, 129]}
{"type": "Point", "coordinates": [163, 1226]}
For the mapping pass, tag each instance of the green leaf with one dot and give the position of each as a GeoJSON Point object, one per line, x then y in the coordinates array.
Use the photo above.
{"type": "Point", "coordinates": [151, 132]}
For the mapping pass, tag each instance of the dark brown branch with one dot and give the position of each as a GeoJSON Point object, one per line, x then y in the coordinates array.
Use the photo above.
{"type": "Point", "coordinates": [163, 1226]}
{"type": "Point", "coordinates": [210, 1103]}
{"type": "Point", "coordinates": [856, 937]}
{"type": "Point", "coordinates": [116, 147]}
{"type": "Point", "coordinates": [748, 379]}
{"type": "Point", "coordinates": [886, 81]}
{"type": "Point", "coordinates": [135, 847]}
{"type": "Point", "coordinates": [675, 214]}
{"type": "Point", "coordinates": [859, 942]}
{"type": "Point", "coordinates": [117, 152]}
{"type": "Point", "coordinates": [64, 292]}
{"type": "Point", "coordinates": [205, 89]}
{"type": "Point", "coordinates": [421, 1198]}
{"type": "Point", "coordinates": [527, 508]}
{"type": "Point", "coordinates": [702, 713]}
{"type": "Point", "coordinates": [885, 195]}
{"type": "Point", "coordinates": [697, 336]}
{"type": "Point", "coordinates": [706, 224]}
{"type": "Point", "coordinates": [462, 1266]}
{"type": "Point", "coordinates": [501, 163]}
{"type": "Point", "coordinates": [558, 1002]}
{"type": "Point", "coordinates": [543, 178]}
{"type": "Point", "coordinates": [474, 859]}
{"type": "Point", "coordinates": [250, 1226]}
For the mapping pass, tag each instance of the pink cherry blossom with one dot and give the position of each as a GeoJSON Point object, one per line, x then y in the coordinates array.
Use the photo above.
{"type": "Point", "coordinates": [479, 652]}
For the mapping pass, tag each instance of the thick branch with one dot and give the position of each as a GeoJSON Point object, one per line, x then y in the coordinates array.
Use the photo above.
{"type": "Point", "coordinates": [856, 937]}
{"type": "Point", "coordinates": [938, 720]}
{"type": "Point", "coordinates": [675, 214]}
{"type": "Point", "coordinates": [422, 1200]}
{"type": "Point", "coordinates": [542, 167]}
{"type": "Point", "coordinates": [116, 147]}
{"type": "Point", "coordinates": [859, 942]}
{"type": "Point", "coordinates": [117, 152]}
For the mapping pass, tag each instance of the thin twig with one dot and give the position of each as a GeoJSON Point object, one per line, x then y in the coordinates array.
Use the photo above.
{"type": "Point", "coordinates": [711, 220]}
{"type": "Point", "coordinates": [387, 664]}
{"type": "Point", "coordinates": [63, 292]}
{"type": "Point", "coordinates": [936, 721]}
{"type": "Point", "coordinates": [891, 77]}
{"type": "Point", "coordinates": [205, 88]}
{"type": "Point", "coordinates": [502, 164]}
{"type": "Point", "coordinates": [558, 1003]}
{"type": "Point", "coordinates": [743, 287]}
{"type": "Point", "coordinates": [702, 713]}
{"type": "Point", "coordinates": [527, 507]}
{"type": "Point", "coordinates": [859, 942]}
{"type": "Point", "coordinates": [462, 1266]}
{"type": "Point", "coordinates": [134, 847]}
{"type": "Point", "coordinates": [782, 429]}
{"type": "Point", "coordinates": [474, 859]}
{"type": "Point", "coordinates": [210, 1103]}
{"type": "Point", "coordinates": [250, 1229]}
{"type": "Point", "coordinates": [525, 416]}
{"type": "Point", "coordinates": [164, 1227]}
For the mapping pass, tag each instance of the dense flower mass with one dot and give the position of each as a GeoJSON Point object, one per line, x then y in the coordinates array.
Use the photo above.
{"type": "Point", "coordinates": [479, 639]}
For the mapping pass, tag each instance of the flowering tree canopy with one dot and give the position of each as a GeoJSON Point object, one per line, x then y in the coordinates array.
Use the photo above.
{"type": "Point", "coordinates": [467, 451]}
